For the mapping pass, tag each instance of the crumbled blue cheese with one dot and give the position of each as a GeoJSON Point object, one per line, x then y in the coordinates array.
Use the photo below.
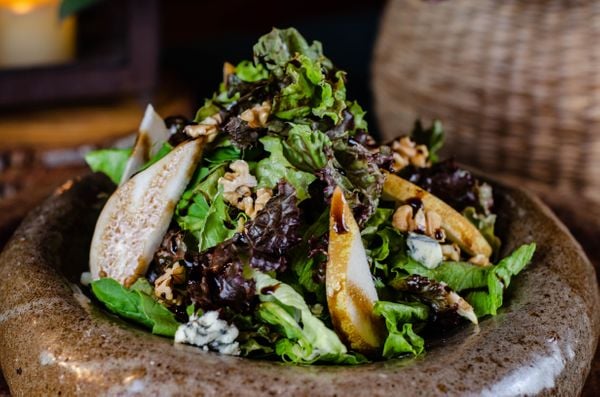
{"type": "Point", "coordinates": [210, 333]}
{"type": "Point", "coordinates": [86, 278]}
{"type": "Point", "coordinates": [424, 250]}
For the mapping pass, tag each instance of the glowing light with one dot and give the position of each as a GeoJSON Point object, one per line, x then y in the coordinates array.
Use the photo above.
{"type": "Point", "coordinates": [21, 7]}
{"type": "Point", "coordinates": [31, 33]}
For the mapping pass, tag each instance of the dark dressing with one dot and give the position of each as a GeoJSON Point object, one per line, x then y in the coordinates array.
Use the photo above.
{"type": "Point", "coordinates": [269, 289]}
{"type": "Point", "coordinates": [415, 203]}
{"type": "Point", "coordinates": [339, 223]}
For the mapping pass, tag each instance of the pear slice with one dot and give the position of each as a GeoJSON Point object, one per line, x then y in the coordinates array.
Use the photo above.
{"type": "Point", "coordinates": [349, 285]}
{"type": "Point", "coordinates": [458, 228]}
{"type": "Point", "coordinates": [137, 216]}
{"type": "Point", "coordinates": [151, 135]}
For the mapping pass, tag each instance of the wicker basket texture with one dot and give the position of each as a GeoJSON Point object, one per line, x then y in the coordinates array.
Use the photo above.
{"type": "Point", "coordinates": [516, 84]}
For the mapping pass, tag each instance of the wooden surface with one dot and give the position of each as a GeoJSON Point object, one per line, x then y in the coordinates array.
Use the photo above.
{"type": "Point", "coordinates": [76, 125]}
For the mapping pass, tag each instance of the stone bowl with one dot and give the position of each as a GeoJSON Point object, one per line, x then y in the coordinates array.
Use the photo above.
{"type": "Point", "coordinates": [54, 340]}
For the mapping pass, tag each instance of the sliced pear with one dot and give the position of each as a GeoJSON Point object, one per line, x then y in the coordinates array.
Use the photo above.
{"type": "Point", "coordinates": [349, 285]}
{"type": "Point", "coordinates": [458, 229]}
{"type": "Point", "coordinates": [464, 309]}
{"type": "Point", "coordinates": [137, 215]}
{"type": "Point", "coordinates": [151, 135]}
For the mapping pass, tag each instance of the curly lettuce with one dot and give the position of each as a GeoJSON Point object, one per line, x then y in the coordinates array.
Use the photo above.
{"type": "Point", "coordinates": [305, 339]}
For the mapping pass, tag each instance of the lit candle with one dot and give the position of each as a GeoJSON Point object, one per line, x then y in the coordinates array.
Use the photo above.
{"type": "Point", "coordinates": [31, 33]}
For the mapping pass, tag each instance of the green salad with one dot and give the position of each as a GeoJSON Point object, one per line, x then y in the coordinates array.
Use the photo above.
{"type": "Point", "coordinates": [273, 226]}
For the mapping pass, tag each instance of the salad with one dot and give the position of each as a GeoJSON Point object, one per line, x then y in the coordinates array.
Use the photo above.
{"type": "Point", "coordinates": [273, 226]}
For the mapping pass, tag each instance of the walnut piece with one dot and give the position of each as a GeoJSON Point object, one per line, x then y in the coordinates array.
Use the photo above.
{"type": "Point", "coordinates": [405, 219]}
{"type": "Point", "coordinates": [163, 286]}
{"type": "Point", "coordinates": [237, 189]}
{"type": "Point", "coordinates": [451, 252]}
{"type": "Point", "coordinates": [257, 116]}
{"type": "Point", "coordinates": [406, 151]}
{"type": "Point", "coordinates": [209, 127]}
{"type": "Point", "coordinates": [263, 195]}
{"type": "Point", "coordinates": [402, 218]}
{"type": "Point", "coordinates": [237, 184]}
{"type": "Point", "coordinates": [480, 260]}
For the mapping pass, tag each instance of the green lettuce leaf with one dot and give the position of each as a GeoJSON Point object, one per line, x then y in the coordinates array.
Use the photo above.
{"type": "Point", "coordinates": [251, 73]}
{"type": "Point", "coordinates": [305, 267]}
{"type": "Point", "coordinates": [459, 276]}
{"type": "Point", "coordinates": [222, 155]}
{"type": "Point", "coordinates": [485, 285]}
{"type": "Point", "coordinates": [135, 304]}
{"type": "Point", "coordinates": [109, 161]}
{"type": "Point", "coordinates": [208, 109]}
{"type": "Point", "coordinates": [305, 338]}
{"type": "Point", "coordinates": [358, 115]}
{"type": "Point", "coordinates": [382, 242]}
{"type": "Point", "coordinates": [332, 100]}
{"type": "Point", "coordinates": [142, 285]}
{"type": "Point", "coordinates": [277, 48]}
{"type": "Point", "coordinates": [295, 99]}
{"type": "Point", "coordinates": [498, 279]}
{"type": "Point", "coordinates": [210, 227]}
{"type": "Point", "coordinates": [485, 224]}
{"type": "Point", "coordinates": [309, 92]}
{"type": "Point", "coordinates": [305, 149]}
{"type": "Point", "coordinates": [432, 137]}
{"type": "Point", "coordinates": [271, 170]}
{"type": "Point", "coordinates": [112, 162]}
{"type": "Point", "coordinates": [399, 321]}
{"type": "Point", "coordinates": [378, 220]}
{"type": "Point", "coordinates": [203, 212]}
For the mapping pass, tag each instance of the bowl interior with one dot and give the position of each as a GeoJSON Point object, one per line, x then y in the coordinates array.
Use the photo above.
{"type": "Point", "coordinates": [544, 336]}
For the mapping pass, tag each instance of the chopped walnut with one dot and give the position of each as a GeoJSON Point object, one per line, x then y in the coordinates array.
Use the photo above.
{"type": "Point", "coordinates": [252, 206]}
{"type": "Point", "coordinates": [423, 221]}
{"type": "Point", "coordinates": [263, 195]}
{"type": "Point", "coordinates": [451, 252]}
{"type": "Point", "coordinates": [420, 221]}
{"type": "Point", "coordinates": [402, 218]}
{"type": "Point", "coordinates": [237, 189]}
{"type": "Point", "coordinates": [237, 184]}
{"type": "Point", "coordinates": [480, 260]}
{"type": "Point", "coordinates": [406, 151]}
{"type": "Point", "coordinates": [208, 127]}
{"type": "Point", "coordinates": [257, 116]}
{"type": "Point", "coordinates": [163, 286]}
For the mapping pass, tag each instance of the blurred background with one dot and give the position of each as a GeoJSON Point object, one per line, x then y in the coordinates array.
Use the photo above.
{"type": "Point", "coordinates": [77, 74]}
{"type": "Point", "coordinates": [516, 84]}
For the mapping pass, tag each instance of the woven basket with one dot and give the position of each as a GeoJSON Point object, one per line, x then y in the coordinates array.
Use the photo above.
{"type": "Point", "coordinates": [516, 84]}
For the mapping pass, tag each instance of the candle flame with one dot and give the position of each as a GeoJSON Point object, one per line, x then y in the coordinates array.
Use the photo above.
{"type": "Point", "coordinates": [21, 7]}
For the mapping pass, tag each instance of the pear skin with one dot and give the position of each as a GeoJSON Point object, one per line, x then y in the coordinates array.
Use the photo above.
{"type": "Point", "coordinates": [137, 215]}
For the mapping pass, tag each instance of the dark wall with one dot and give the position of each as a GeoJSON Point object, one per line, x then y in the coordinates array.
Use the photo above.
{"type": "Point", "coordinates": [197, 37]}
